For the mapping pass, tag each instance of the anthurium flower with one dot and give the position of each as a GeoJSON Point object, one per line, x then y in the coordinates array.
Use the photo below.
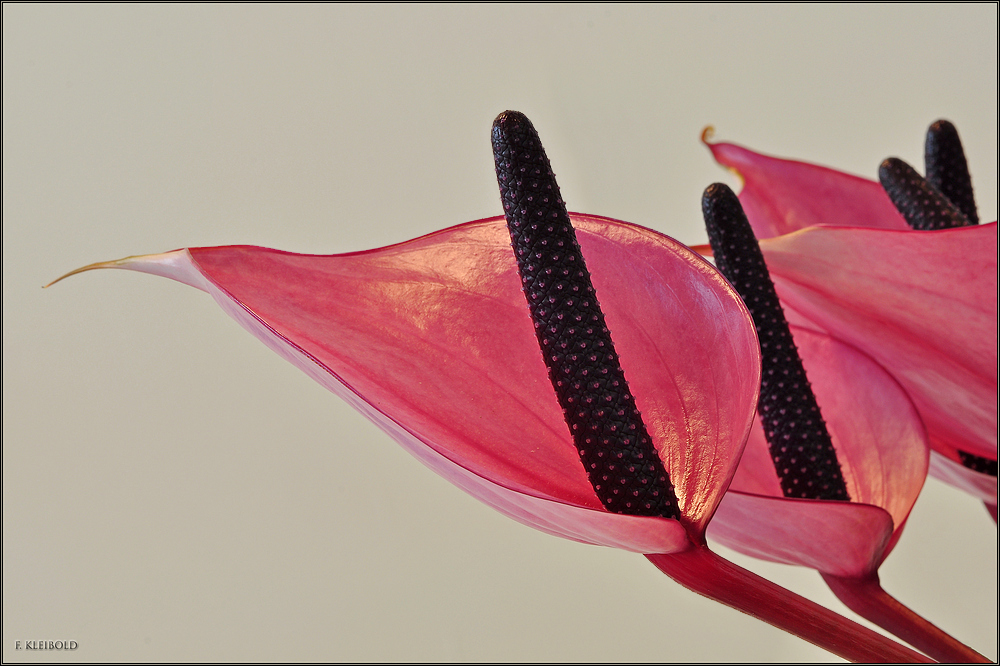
{"type": "Point", "coordinates": [922, 304]}
{"type": "Point", "coordinates": [497, 370]}
{"type": "Point", "coordinates": [837, 458]}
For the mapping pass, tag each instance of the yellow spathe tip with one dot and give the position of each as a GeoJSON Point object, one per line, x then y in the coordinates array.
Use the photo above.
{"type": "Point", "coordinates": [707, 135]}
{"type": "Point", "coordinates": [117, 263]}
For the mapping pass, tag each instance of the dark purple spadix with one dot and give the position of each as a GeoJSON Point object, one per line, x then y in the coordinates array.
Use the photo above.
{"type": "Point", "coordinates": [978, 463]}
{"type": "Point", "coordinates": [607, 429]}
{"type": "Point", "coordinates": [947, 169]}
{"type": "Point", "coordinates": [797, 437]}
{"type": "Point", "coordinates": [922, 206]}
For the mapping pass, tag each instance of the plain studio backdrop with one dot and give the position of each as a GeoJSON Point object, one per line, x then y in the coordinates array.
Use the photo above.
{"type": "Point", "coordinates": [172, 490]}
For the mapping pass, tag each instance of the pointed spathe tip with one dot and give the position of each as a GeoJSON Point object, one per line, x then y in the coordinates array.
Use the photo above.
{"type": "Point", "coordinates": [116, 263]}
{"type": "Point", "coordinates": [176, 265]}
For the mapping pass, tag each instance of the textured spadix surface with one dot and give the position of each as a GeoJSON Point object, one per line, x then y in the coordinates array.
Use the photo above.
{"type": "Point", "coordinates": [431, 340]}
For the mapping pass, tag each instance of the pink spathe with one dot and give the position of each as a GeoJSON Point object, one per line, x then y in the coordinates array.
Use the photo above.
{"type": "Point", "coordinates": [432, 341]}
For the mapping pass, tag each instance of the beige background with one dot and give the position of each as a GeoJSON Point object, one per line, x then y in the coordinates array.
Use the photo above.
{"type": "Point", "coordinates": [174, 491]}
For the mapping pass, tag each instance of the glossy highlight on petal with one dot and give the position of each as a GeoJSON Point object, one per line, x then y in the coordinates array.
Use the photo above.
{"type": "Point", "coordinates": [431, 340]}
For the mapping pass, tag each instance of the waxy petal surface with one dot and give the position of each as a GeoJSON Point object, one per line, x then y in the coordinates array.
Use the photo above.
{"type": "Point", "coordinates": [883, 454]}
{"type": "Point", "coordinates": [781, 196]}
{"type": "Point", "coordinates": [922, 304]}
{"type": "Point", "coordinates": [431, 340]}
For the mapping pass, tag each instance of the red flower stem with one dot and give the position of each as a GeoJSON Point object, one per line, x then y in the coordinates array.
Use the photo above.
{"type": "Point", "coordinates": [866, 597]}
{"type": "Point", "coordinates": [701, 570]}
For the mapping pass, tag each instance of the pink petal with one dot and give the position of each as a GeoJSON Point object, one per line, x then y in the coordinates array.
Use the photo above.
{"type": "Point", "coordinates": [782, 196]}
{"type": "Point", "coordinates": [883, 454]}
{"type": "Point", "coordinates": [808, 533]}
{"type": "Point", "coordinates": [432, 341]}
{"type": "Point", "coordinates": [924, 305]}
{"type": "Point", "coordinates": [979, 485]}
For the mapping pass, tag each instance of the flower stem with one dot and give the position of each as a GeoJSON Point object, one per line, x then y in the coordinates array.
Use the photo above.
{"type": "Point", "coordinates": [866, 597]}
{"type": "Point", "coordinates": [701, 570]}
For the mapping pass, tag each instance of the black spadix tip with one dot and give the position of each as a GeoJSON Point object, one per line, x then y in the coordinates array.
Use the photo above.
{"type": "Point", "coordinates": [509, 123]}
{"type": "Point", "coordinates": [947, 169]}
{"type": "Point", "coordinates": [727, 227]}
{"type": "Point", "coordinates": [797, 437]}
{"type": "Point", "coordinates": [613, 443]}
{"type": "Point", "coordinates": [922, 206]}
{"type": "Point", "coordinates": [523, 172]}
